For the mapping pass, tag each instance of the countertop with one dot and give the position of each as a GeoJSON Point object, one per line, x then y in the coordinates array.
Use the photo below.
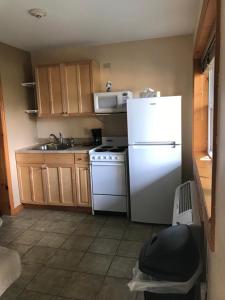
{"type": "Point", "coordinates": [76, 149]}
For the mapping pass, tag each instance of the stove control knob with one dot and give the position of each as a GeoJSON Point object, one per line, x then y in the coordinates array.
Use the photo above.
{"type": "Point", "coordinates": [110, 157]}
{"type": "Point", "coordinates": [104, 157]}
{"type": "Point", "coordinates": [116, 157]}
{"type": "Point", "coordinates": [99, 157]}
{"type": "Point", "coordinates": [93, 157]}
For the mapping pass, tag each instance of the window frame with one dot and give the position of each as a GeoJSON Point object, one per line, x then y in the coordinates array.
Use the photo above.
{"type": "Point", "coordinates": [211, 79]}
{"type": "Point", "coordinates": [204, 167]}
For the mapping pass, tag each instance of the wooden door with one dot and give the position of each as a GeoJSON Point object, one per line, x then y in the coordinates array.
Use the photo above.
{"type": "Point", "coordinates": [83, 185]}
{"type": "Point", "coordinates": [31, 183]}
{"type": "Point", "coordinates": [70, 82]}
{"type": "Point", "coordinates": [4, 194]}
{"type": "Point", "coordinates": [42, 89]}
{"type": "Point", "coordinates": [55, 90]}
{"type": "Point", "coordinates": [60, 187]}
{"type": "Point", "coordinates": [85, 90]}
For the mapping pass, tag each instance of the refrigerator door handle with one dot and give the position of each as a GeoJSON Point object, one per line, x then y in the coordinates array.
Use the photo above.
{"type": "Point", "coordinates": [172, 143]}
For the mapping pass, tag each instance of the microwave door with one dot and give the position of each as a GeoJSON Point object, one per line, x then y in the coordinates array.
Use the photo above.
{"type": "Point", "coordinates": [106, 103]}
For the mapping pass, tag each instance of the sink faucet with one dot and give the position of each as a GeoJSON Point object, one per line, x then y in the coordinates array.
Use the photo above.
{"type": "Point", "coordinates": [56, 140]}
{"type": "Point", "coordinates": [60, 138]}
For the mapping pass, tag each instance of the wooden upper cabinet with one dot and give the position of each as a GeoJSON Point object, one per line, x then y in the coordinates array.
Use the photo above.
{"type": "Point", "coordinates": [42, 88]}
{"type": "Point", "coordinates": [89, 76]}
{"type": "Point", "coordinates": [55, 90]}
{"type": "Point", "coordinates": [86, 97]}
{"type": "Point", "coordinates": [49, 90]}
{"type": "Point", "coordinates": [70, 84]}
{"type": "Point", "coordinates": [67, 88]}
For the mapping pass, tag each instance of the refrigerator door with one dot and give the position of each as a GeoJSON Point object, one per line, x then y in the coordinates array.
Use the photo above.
{"type": "Point", "coordinates": [155, 172]}
{"type": "Point", "coordinates": [156, 120]}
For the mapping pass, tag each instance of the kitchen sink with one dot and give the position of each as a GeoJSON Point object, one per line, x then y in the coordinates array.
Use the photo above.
{"type": "Point", "coordinates": [52, 146]}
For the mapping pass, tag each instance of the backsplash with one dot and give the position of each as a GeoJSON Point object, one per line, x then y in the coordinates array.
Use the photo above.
{"type": "Point", "coordinates": [77, 141]}
{"type": "Point", "coordinates": [79, 127]}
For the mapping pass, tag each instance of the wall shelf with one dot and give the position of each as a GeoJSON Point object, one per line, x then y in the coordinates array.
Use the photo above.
{"type": "Point", "coordinates": [32, 113]}
{"type": "Point", "coordinates": [28, 84]}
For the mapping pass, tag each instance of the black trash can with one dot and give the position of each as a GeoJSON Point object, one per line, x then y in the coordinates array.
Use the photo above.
{"type": "Point", "coordinates": [172, 255]}
{"type": "Point", "coordinates": [193, 294]}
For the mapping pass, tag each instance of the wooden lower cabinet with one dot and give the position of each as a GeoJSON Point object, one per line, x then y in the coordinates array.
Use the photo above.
{"type": "Point", "coordinates": [83, 185]}
{"type": "Point", "coordinates": [31, 183]}
{"type": "Point", "coordinates": [60, 185]}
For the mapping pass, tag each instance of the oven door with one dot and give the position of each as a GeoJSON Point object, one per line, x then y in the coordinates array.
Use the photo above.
{"type": "Point", "coordinates": [108, 179]}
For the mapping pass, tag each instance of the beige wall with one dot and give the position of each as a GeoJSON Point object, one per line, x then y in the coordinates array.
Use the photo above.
{"type": "Point", "coordinates": [164, 64]}
{"type": "Point", "coordinates": [81, 127]}
{"type": "Point", "coordinates": [15, 67]}
{"type": "Point", "coordinates": [216, 260]}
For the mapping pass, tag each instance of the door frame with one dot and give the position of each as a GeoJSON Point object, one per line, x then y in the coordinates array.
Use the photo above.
{"type": "Point", "coordinates": [10, 209]}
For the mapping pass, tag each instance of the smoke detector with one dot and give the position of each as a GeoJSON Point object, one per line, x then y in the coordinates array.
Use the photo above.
{"type": "Point", "coordinates": [37, 13]}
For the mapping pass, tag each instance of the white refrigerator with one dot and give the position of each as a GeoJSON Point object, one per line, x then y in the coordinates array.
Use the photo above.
{"type": "Point", "coordinates": [155, 144]}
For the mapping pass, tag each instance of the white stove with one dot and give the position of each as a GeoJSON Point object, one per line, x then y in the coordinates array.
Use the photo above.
{"type": "Point", "coordinates": [109, 175]}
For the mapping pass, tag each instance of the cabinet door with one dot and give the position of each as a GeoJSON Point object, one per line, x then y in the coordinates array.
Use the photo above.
{"type": "Point", "coordinates": [86, 97]}
{"type": "Point", "coordinates": [42, 89]}
{"type": "Point", "coordinates": [31, 183]}
{"type": "Point", "coordinates": [70, 84]}
{"type": "Point", "coordinates": [24, 183]}
{"type": "Point", "coordinates": [67, 184]}
{"type": "Point", "coordinates": [60, 184]}
{"type": "Point", "coordinates": [37, 184]}
{"type": "Point", "coordinates": [55, 90]}
{"type": "Point", "coordinates": [49, 90]}
{"type": "Point", "coordinates": [83, 185]}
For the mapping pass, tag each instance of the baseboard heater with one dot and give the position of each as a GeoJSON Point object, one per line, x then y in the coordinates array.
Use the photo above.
{"type": "Point", "coordinates": [185, 209]}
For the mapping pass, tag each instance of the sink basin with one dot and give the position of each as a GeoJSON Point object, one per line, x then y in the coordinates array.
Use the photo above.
{"type": "Point", "coordinates": [51, 146]}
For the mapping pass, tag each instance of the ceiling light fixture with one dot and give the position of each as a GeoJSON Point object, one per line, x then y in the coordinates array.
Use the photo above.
{"type": "Point", "coordinates": [37, 13]}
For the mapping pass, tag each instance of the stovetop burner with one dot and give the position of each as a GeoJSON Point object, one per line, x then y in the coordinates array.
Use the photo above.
{"type": "Point", "coordinates": [106, 147]}
{"type": "Point", "coordinates": [101, 150]}
{"type": "Point", "coordinates": [117, 149]}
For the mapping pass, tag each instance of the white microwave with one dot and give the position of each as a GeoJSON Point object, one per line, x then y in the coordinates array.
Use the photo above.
{"type": "Point", "coordinates": [111, 102]}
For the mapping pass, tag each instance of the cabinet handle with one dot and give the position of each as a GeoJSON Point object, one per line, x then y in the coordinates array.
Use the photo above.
{"type": "Point", "coordinates": [79, 159]}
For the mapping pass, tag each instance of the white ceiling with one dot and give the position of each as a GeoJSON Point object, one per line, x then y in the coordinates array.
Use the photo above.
{"type": "Point", "coordinates": [91, 22]}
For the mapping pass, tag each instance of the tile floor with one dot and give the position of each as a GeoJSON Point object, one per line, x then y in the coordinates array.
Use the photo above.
{"type": "Point", "coordinates": [67, 255]}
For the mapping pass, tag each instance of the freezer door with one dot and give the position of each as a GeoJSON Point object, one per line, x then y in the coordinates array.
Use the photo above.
{"type": "Point", "coordinates": [155, 172]}
{"type": "Point", "coordinates": [154, 120]}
